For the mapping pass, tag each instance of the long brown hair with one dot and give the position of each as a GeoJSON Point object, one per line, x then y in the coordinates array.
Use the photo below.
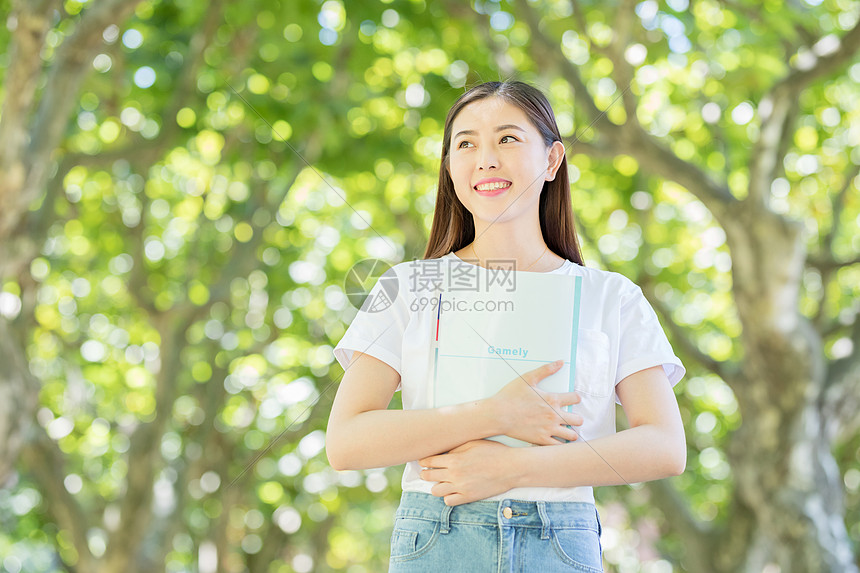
{"type": "Point", "coordinates": [453, 226]}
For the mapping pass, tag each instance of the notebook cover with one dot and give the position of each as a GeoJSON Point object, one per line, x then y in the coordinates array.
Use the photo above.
{"type": "Point", "coordinates": [488, 336]}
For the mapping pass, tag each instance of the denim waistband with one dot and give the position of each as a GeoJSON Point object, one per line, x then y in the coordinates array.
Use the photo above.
{"type": "Point", "coordinates": [506, 512]}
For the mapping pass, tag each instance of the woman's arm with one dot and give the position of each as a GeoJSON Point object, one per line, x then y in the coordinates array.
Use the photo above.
{"type": "Point", "coordinates": [653, 447]}
{"type": "Point", "coordinates": [363, 433]}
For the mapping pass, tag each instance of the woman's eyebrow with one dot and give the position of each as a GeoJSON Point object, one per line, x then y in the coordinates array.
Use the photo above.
{"type": "Point", "coordinates": [498, 128]}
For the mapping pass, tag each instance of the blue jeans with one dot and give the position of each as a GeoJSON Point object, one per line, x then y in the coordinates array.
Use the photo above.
{"type": "Point", "coordinates": [494, 536]}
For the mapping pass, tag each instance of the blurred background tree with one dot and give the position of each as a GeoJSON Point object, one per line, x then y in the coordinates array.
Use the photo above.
{"type": "Point", "coordinates": [184, 186]}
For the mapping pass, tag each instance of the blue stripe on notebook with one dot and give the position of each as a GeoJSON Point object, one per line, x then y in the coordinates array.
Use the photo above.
{"type": "Point", "coordinates": [574, 335]}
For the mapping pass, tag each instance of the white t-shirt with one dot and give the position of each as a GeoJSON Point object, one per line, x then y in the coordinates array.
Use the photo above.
{"type": "Point", "coordinates": [619, 334]}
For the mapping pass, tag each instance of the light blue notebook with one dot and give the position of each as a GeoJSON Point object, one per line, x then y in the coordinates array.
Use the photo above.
{"type": "Point", "coordinates": [487, 337]}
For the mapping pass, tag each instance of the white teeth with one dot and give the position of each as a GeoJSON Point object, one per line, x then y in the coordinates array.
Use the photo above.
{"type": "Point", "coordinates": [492, 186]}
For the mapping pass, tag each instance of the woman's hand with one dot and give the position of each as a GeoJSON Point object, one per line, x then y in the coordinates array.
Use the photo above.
{"type": "Point", "coordinates": [528, 413]}
{"type": "Point", "coordinates": [471, 472]}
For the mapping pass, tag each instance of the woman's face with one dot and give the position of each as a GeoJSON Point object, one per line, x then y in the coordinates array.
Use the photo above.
{"type": "Point", "coordinates": [501, 144]}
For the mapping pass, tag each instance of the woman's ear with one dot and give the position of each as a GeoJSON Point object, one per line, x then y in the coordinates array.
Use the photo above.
{"type": "Point", "coordinates": [556, 155]}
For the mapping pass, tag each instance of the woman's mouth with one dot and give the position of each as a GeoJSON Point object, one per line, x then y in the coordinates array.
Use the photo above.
{"type": "Point", "coordinates": [491, 189]}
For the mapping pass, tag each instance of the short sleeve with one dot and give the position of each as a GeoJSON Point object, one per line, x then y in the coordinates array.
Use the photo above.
{"type": "Point", "coordinates": [379, 325]}
{"type": "Point", "coordinates": [643, 343]}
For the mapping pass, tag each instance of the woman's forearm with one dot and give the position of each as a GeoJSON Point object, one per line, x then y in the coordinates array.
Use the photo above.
{"type": "Point", "coordinates": [654, 447]}
{"type": "Point", "coordinates": [380, 438]}
{"type": "Point", "coordinates": [638, 454]}
{"type": "Point", "coordinates": [363, 435]}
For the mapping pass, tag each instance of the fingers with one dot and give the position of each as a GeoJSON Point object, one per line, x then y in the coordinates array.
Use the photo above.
{"type": "Point", "coordinates": [560, 434]}
{"type": "Point", "coordinates": [558, 403]}
{"type": "Point", "coordinates": [442, 489]}
{"type": "Point", "coordinates": [432, 462]}
{"type": "Point", "coordinates": [563, 421]}
{"type": "Point", "coordinates": [566, 430]}
{"type": "Point", "coordinates": [432, 475]}
{"type": "Point", "coordinates": [568, 433]}
{"type": "Point", "coordinates": [541, 372]}
{"type": "Point", "coordinates": [549, 440]}
{"type": "Point", "coordinates": [572, 419]}
{"type": "Point", "coordinates": [569, 398]}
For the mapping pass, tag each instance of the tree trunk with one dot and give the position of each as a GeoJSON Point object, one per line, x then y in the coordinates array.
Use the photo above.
{"type": "Point", "coordinates": [781, 455]}
{"type": "Point", "coordinates": [18, 398]}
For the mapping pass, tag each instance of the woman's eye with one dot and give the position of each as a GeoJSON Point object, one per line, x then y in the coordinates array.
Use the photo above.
{"type": "Point", "coordinates": [502, 139]}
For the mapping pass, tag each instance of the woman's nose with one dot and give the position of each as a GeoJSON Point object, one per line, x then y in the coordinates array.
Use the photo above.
{"type": "Point", "coordinates": [488, 159]}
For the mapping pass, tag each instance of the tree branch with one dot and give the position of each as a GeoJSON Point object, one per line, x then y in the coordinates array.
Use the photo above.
{"type": "Point", "coordinates": [31, 21]}
{"type": "Point", "coordinates": [622, 71]}
{"type": "Point", "coordinates": [273, 543]}
{"type": "Point", "coordinates": [695, 534]}
{"type": "Point", "coordinates": [211, 396]}
{"type": "Point", "coordinates": [144, 454]}
{"type": "Point", "coordinates": [144, 152]}
{"type": "Point", "coordinates": [19, 391]}
{"type": "Point", "coordinates": [144, 457]}
{"type": "Point", "coordinates": [786, 141]}
{"type": "Point", "coordinates": [842, 387]}
{"type": "Point", "coordinates": [778, 109]}
{"type": "Point", "coordinates": [754, 12]}
{"type": "Point", "coordinates": [654, 156]}
{"type": "Point", "coordinates": [500, 55]}
{"type": "Point", "coordinates": [826, 260]}
{"type": "Point", "coordinates": [684, 337]}
{"type": "Point", "coordinates": [47, 464]}
{"type": "Point", "coordinates": [777, 119]}
{"type": "Point", "coordinates": [71, 65]}
{"type": "Point", "coordinates": [829, 263]}
{"type": "Point", "coordinates": [137, 277]}
{"type": "Point", "coordinates": [827, 64]}
{"type": "Point", "coordinates": [594, 149]}
{"type": "Point", "coordinates": [545, 50]}
{"type": "Point", "coordinates": [630, 139]}
{"type": "Point", "coordinates": [582, 23]}
{"type": "Point", "coordinates": [728, 372]}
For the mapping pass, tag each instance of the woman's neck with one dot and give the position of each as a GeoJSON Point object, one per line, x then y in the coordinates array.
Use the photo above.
{"type": "Point", "coordinates": [534, 258]}
{"type": "Point", "coordinates": [513, 244]}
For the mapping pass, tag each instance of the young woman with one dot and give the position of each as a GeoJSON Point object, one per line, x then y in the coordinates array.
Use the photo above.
{"type": "Point", "coordinates": [473, 504]}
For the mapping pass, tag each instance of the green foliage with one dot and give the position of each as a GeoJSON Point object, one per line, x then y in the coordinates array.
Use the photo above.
{"type": "Point", "coordinates": [226, 162]}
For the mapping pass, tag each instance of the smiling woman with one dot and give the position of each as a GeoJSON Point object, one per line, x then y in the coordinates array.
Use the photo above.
{"type": "Point", "coordinates": [475, 504]}
{"type": "Point", "coordinates": [497, 152]}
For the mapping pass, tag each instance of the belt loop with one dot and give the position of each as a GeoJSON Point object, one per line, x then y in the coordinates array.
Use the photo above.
{"type": "Point", "coordinates": [544, 519]}
{"type": "Point", "coordinates": [446, 515]}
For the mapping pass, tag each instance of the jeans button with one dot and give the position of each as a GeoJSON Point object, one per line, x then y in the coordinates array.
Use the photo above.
{"type": "Point", "coordinates": [507, 512]}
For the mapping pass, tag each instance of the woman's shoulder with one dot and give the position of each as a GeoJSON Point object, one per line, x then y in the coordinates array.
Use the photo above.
{"type": "Point", "coordinates": [601, 277]}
